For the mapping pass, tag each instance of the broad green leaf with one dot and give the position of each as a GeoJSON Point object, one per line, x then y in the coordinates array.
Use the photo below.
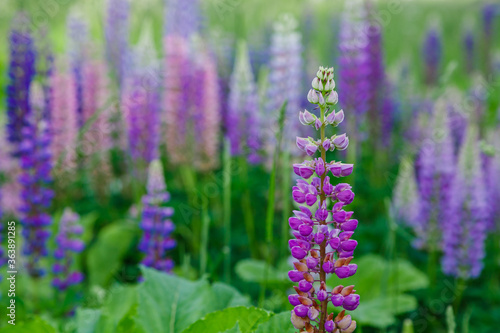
{"type": "Point", "coordinates": [248, 319]}
{"type": "Point", "coordinates": [36, 325]}
{"type": "Point", "coordinates": [278, 323]}
{"type": "Point", "coordinates": [235, 329]}
{"type": "Point", "coordinates": [169, 304]}
{"type": "Point", "coordinates": [104, 257]}
{"type": "Point", "coordinates": [252, 270]}
{"type": "Point", "coordinates": [118, 304]}
{"type": "Point", "coordinates": [87, 319]}
{"type": "Point", "coordinates": [380, 312]}
{"type": "Point", "coordinates": [228, 296]}
{"type": "Point", "coordinates": [405, 277]}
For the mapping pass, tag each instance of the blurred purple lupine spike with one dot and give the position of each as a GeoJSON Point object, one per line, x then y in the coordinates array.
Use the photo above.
{"type": "Point", "coordinates": [117, 34]}
{"type": "Point", "coordinates": [405, 197]}
{"type": "Point", "coordinates": [36, 195]}
{"type": "Point", "coordinates": [285, 81]}
{"type": "Point", "coordinates": [432, 53]}
{"type": "Point", "coordinates": [141, 101]}
{"type": "Point", "coordinates": [68, 243]}
{"type": "Point", "coordinates": [464, 232]}
{"type": "Point", "coordinates": [182, 18]}
{"type": "Point", "coordinates": [77, 39]}
{"type": "Point", "coordinates": [353, 62]}
{"type": "Point", "coordinates": [156, 223]}
{"type": "Point", "coordinates": [469, 45]}
{"type": "Point", "coordinates": [21, 74]}
{"type": "Point", "coordinates": [64, 117]}
{"type": "Point", "coordinates": [493, 177]}
{"type": "Point", "coordinates": [490, 11]}
{"type": "Point", "coordinates": [436, 171]}
{"type": "Point", "coordinates": [310, 223]}
{"type": "Point", "coordinates": [242, 122]}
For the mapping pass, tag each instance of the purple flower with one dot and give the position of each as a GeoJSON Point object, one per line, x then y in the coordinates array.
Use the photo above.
{"type": "Point", "coordinates": [21, 73]}
{"type": "Point", "coordinates": [117, 33]}
{"type": "Point", "coordinates": [431, 52]}
{"type": "Point", "coordinates": [465, 229]}
{"type": "Point", "coordinates": [68, 243]}
{"type": "Point", "coordinates": [469, 48]}
{"type": "Point", "coordinates": [311, 227]}
{"type": "Point", "coordinates": [156, 224]}
{"type": "Point", "coordinates": [182, 18]}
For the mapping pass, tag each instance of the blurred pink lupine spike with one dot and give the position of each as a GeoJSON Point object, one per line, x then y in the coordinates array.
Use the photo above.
{"type": "Point", "coordinates": [64, 117]}
{"type": "Point", "coordinates": [175, 101]}
{"type": "Point", "coordinates": [207, 116]}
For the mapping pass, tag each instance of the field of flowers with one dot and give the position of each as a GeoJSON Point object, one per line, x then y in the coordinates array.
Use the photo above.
{"type": "Point", "coordinates": [230, 166]}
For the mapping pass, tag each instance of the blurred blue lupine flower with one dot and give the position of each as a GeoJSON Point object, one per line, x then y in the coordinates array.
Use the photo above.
{"type": "Point", "coordinates": [21, 73]}
{"type": "Point", "coordinates": [469, 45]}
{"type": "Point", "coordinates": [36, 195]}
{"type": "Point", "coordinates": [156, 223]}
{"type": "Point", "coordinates": [490, 11]}
{"type": "Point", "coordinates": [68, 243]}
{"type": "Point", "coordinates": [464, 230]}
{"type": "Point", "coordinates": [435, 176]}
{"type": "Point", "coordinates": [117, 34]}
{"type": "Point", "coordinates": [182, 18]}
{"type": "Point", "coordinates": [432, 53]}
{"type": "Point", "coordinates": [242, 122]}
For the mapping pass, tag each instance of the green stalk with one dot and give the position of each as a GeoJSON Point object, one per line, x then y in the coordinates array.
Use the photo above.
{"type": "Point", "coordinates": [227, 209]}
{"type": "Point", "coordinates": [247, 210]}
{"type": "Point", "coordinates": [204, 237]}
{"type": "Point", "coordinates": [270, 207]}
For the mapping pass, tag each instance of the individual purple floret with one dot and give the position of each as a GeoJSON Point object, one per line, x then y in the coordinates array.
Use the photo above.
{"type": "Point", "coordinates": [464, 232]}
{"type": "Point", "coordinates": [242, 122]}
{"type": "Point", "coordinates": [323, 230]}
{"type": "Point", "coordinates": [36, 195]}
{"type": "Point", "coordinates": [68, 243]}
{"type": "Point", "coordinates": [21, 73]}
{"type": "Point", "coordinates": [156, 223]}
{"type": "Point", "coordinates": [435, 175]}
{"type": "Point", "coordinates": [432, 53]}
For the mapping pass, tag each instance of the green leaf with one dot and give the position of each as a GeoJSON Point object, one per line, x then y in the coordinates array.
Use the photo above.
{"type": "Point", "coordinates": [406, 277]}
{"type": "Point", "coordinates": [248, 319]}
{"type": "Point", "coordinates": [228, 296]}
{"type": "Point", "coordinates": [105, 256]}
{"type": "Point", "coordinates": [235, 329]}
{"type": "Point", "coordinates": [86, 320]}
{"type": "Point", "coordinates": [278, 323]}
{"type": "Point", "coordinates": [167, 303]}
{"type": "Point", "coordinates": [381, 312]}
{"type": "Point", "coordinates": [120, 301]}
{"type": "Point", "coordinates": [252, 270]}
{"type": "Point", "coordinates": [36, 325]}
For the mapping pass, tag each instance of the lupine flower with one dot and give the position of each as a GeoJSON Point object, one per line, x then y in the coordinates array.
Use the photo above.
{"type": "Point", "coordinates": [206, 115]}
{"type": "Point", "coordinates": [141, 102]}
{"type": "Point", "coordinates": [490, 11]}
{"type": "Point", "coordinates": [9, 167]}
{"type": "Point", "coordinates": [353, 62]}
{"type": "Point", "coordinates": [318, 249]}
{"type": "Point", "coordinates": [182, 18]}
{"type": "Point", "coordinates": [464, 232]}
{"type": "Point", "coordinates": [68, 243]}
{"type": "Point", "coordinates": [469, 48]}
{"type": "Point", "coordinates": [242, 122]}
{"type": "Point", "coordinates": [431, 52]}
{"type": "Point", "coordinates": [156, 223]}
{"type": "Point", "coordinates": [389, 109]}
{"type": "Point", "coordinates": [405, 198]}
{"type": "Point", "coordinates": [435, 176]}
{"type": "Point", "coordinates": [21, 74]}
{"type": "Point", "coordinates": [285, 77]}
{"type": "Point", "coordinates": [77, 39]}
{"type": "Point", "coordinates": [117, 32]}
{"type": "Point", "coordinates": [64, 117]}
{"type": "Point", "coordinates": [176, 98]}
{"type": "Point", "coordinates": [36, 195]}
{"type": "Point", "coordinates": [493, 180]}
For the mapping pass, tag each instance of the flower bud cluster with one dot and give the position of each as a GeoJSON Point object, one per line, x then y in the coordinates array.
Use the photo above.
{"type": "Point", "coordinates": [322, 227]}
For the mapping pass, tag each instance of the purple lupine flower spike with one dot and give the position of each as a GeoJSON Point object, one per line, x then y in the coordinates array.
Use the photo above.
{"type": "Point", "coordinates": [405, 198]}
{"type": "Point", "coordinates": [431, 52]}
{"type": "Point", "coordinates": [117, 33]}
{"type": "Point", "coordinates": [353, 62]}
{"type": "Point", "coordinates": [182, 18]}
{"type": "Point", "coordinates": [285, 82]}
{"type": "Point", "coordinates": [242, 121]}
{"type": "Point", "coordinates": [322, 228]}
{"type": "Point", "coordinates": [464, 232]}
{"type": "Point", "coordinates": [21, 74]}
{"type": "Point", "coordinates": [156, 223]}
{"type": "Point", "coordinates": [469, 45]}
{"type": "Point", "coordinates": [493, 177]}
{"type": "Point", "coordinates": [68, 243]}
{"type": "Point", "coordinates": [435, 176]}
{"type": "Point", "coordinates": [36, 195]}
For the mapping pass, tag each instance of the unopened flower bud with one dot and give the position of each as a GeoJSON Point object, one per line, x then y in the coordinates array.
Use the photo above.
{"type": "Point", "coordinates": [313, 97]}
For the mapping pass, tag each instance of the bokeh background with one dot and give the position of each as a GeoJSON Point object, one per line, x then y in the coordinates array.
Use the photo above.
{"type": "Point", "coordinates": [191, 91]}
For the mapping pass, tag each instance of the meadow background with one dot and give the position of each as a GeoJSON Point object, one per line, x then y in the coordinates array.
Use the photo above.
{"type": "Point", "coordinates": [231, 226]}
